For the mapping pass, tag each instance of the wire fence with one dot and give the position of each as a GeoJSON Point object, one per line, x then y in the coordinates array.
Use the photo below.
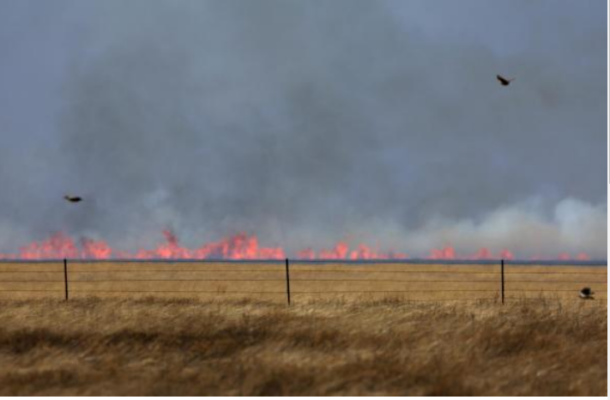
{"type": "Point", "coordinates": [288, 280]}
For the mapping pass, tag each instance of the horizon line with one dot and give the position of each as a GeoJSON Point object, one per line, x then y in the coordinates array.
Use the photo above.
{"type": "Point", "coordinates": [598, 262]}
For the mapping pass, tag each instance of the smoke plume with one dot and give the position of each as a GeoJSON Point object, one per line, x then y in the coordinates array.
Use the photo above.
{"type": "Point", "coordinates": [309, 123]}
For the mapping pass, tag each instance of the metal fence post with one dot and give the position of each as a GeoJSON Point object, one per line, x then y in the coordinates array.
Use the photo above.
{"type": "Point", "coordinates": [66, 277]}
{"type": "Point", "coordinates": [502, 273]}
{"type": "Point", "coordinates": [288, 280]}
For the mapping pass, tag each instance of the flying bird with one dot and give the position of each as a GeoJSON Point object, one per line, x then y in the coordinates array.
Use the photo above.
{"type": "Point", "coordinates": [586, 293]}
{"type": "Point", "coordinates": [72, 199]}
{"type": "Point", "coordinates": [504, 81]}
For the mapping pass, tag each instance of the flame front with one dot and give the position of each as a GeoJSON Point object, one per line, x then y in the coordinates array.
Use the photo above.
{"type": "Point", "coordinates": [238, 247]}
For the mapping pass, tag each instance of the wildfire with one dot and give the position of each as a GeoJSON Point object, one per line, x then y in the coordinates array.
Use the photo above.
{"type": "Point", "coordinates": [238, 247]}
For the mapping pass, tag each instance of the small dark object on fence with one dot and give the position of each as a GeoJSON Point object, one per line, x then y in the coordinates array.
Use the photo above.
{"type": "Point", "coordinates": [586, 294]}
{"type": "Point", "coordinates": [66, 277]}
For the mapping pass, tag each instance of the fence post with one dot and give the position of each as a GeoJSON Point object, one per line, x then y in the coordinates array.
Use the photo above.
{"type": "Point", "coordinates": [66, 277]}
{"type": "Point", "coordinates": [502, 273]}
{"type": "Point", "coordinates": [288, 280]}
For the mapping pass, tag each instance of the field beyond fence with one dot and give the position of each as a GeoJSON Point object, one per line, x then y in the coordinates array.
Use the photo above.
{"type": "Point", "coordinates": [294, 281]}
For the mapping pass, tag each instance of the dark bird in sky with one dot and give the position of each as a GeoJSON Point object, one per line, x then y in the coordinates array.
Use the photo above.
{"type": "Point", "coordinates": [73, 199]}
{"type": "Point", "coordinates": [586, 293]}
{"type": "Point", "coordinates": [504, 81]}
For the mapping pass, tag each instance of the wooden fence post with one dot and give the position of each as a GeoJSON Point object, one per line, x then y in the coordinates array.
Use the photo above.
{"type": "Point", "coordinates": [502, 272]}
{"type": "Point", "coordinates": [288, 280]}
{"type": "Point", "coordinates": [66, 277]}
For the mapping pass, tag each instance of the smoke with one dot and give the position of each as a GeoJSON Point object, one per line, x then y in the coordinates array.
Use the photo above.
{"type": "Point", "coordinates": [312, 122]}
{"type": "Point", "coordinates": [573, 227]}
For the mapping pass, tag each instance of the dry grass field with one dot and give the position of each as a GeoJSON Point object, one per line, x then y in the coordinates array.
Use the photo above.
{"type": "Point", "coordinates": [308, 281]}
{"type": "Point", "coordinates": [152, 346]}
{"type": "Point", "coordinates": [201, 328]}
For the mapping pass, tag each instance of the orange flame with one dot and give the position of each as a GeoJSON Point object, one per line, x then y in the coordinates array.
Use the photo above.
{"type": "Point", "coordinates": [238, 247]}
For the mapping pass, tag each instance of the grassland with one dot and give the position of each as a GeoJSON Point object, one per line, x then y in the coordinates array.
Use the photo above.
{"type": "Point", "coordinates": [328, 281]}
{"type": "Point", "coordinates": [153, 346]}
{"type": "Point", "coordinates": [366, 329]}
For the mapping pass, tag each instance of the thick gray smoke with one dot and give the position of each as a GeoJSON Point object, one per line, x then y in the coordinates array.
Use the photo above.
{"type": "Point", "coordinates": [308, 122]}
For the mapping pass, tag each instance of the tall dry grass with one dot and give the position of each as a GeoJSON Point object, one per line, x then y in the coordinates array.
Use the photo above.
{"type": "Point", "coordinates": [389, 347]}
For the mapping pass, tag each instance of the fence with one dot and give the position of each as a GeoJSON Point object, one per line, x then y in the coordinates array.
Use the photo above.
{"type": "Point", "coordinates": [289, 281]}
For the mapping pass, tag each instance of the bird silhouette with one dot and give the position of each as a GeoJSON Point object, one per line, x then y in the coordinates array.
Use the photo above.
{"type": "Point", "coordinates": [504, 81]}
{"type": "Point", "coordinates": [586, 294]}
{"type": "Point", "coordinates": [73, 199]}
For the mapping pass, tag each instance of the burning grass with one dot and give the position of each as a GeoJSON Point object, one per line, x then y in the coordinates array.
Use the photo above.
{"type": "Point", "coordinates": [153, 346]}
{"type": "Point", "coordinates": [240, 246]}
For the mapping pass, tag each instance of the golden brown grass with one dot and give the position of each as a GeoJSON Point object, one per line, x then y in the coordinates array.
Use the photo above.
{"type": "Point", "coordinates": [266, 281]}
{"type": "Point", "coordinates": [154, 346]}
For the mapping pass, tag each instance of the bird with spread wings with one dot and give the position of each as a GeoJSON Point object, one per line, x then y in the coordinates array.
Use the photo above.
{"type": "Point", "coordinates": [73, 199]}
{"type": "Point", "coordinates": [503, 81]}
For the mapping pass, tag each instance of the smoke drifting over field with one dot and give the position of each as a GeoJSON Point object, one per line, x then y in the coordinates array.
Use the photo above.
{"type": "Point", "coordinates": [309, 123]}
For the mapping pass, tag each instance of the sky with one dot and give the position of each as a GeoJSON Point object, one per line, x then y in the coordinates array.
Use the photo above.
{"type": "Point", "coordinates": [306, 123]}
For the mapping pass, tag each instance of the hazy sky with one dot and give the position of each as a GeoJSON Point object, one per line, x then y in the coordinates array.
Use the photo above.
{"type": "Point", "coordinates": [306, 122]}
